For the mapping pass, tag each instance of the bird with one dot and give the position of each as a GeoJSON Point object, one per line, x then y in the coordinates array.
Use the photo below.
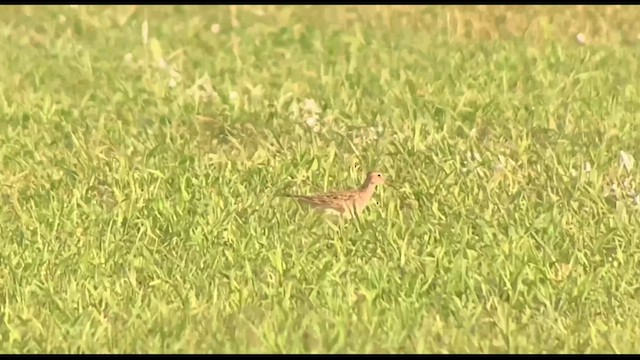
{"type": "Point", "coordinates": [343, 203]}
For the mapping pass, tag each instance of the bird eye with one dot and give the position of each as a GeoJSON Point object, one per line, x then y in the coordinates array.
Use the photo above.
{"type": "Point", "coordinates": [379, 175]}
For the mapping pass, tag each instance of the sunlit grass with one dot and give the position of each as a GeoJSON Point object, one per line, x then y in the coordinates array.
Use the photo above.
{"type": "Point", "coordinates": [142, 150]}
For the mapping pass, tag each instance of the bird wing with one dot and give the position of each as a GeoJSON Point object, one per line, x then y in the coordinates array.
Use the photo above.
{"type": "Point", "coordinates": [338, 201]}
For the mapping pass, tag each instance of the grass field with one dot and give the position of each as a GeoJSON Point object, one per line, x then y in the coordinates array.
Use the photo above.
{"type": "Point", "coordinates": [143, 148]}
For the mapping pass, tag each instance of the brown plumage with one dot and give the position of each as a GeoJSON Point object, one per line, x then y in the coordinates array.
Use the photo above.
{"type": "Point", "coordinates": [344, 203]}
